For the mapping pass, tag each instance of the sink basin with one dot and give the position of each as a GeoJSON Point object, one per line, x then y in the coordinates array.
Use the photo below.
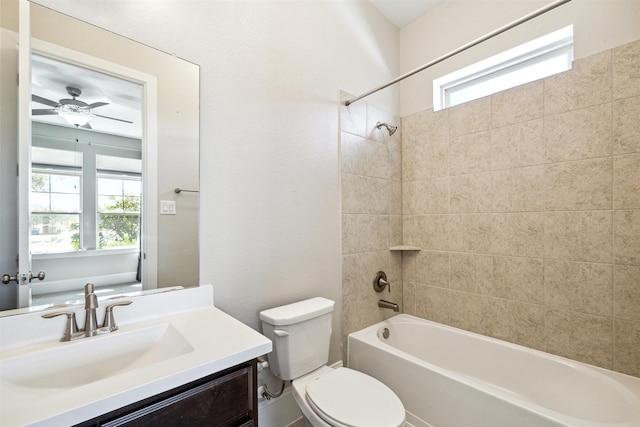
{"type": "Point", "coordinates": [88, 360]}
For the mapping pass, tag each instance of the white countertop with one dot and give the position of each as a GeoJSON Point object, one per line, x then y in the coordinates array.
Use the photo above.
{"type": "Point", "coordinates": [218, 342]}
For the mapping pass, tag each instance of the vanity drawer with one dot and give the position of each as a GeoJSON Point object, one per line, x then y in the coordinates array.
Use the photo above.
{"type": "Point", "coordinates": [225, 399]}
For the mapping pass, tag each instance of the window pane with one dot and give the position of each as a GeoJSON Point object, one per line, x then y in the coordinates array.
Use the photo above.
{"type": "Point", "coordinates": [40, 182]}
{"type": "Point", "coordinates": [40, 202]}
{"type": "Point", "coordinates": [109, 204]}
{"type": "Point", "coordinates": [108, 186]}
{"type": "Point", "coordinates": [65, 184]}
{"type": "Point", "coordinates": [132, 188]}
{"type": "Point", "coordinates": [65, 202]}
{"type": "Point", "coordinates": [117, 230]}
{"type": "Point", "coordinates": [131, 204]}
{"type": "Point", "coordinates": [55, 233]}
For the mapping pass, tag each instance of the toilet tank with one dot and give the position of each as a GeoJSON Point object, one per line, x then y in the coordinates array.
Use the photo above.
{"type": "Point", "coordinates": [301, 335]}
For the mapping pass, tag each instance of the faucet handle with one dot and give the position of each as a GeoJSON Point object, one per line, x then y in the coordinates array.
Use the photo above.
{"type": "Point", "coordinates": [380, 282]}
{"type": "Point", "coordinates": [70, 328]}
{"type": "Point", "coordinates": [109, 319]}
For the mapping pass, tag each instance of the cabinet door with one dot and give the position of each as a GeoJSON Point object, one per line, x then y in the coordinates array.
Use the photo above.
{"type": "Point", "coordinates": [224, 401]}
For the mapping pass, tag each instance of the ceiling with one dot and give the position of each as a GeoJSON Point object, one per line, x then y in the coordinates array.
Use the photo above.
{"type": "Point", "coordinates": [50, 78]}
{"type": "Point", "coordinates": [402, 12]}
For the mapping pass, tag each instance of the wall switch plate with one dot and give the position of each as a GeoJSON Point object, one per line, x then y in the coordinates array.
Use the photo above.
{"type": "Point", "coordinates": [167, 207]}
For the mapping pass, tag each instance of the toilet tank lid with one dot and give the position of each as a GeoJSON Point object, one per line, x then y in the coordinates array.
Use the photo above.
{"type": "Point", "coordinates": [297, 312]}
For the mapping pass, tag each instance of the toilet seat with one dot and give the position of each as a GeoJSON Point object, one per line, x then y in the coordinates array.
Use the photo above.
{"type": "Point", "coordinates": [349, 398]}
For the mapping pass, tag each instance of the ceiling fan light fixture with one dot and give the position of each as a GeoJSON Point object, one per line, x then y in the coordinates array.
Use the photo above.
{"type": "Point", "coordinates": [75, 117]}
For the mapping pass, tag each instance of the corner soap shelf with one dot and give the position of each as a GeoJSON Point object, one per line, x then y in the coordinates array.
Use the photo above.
{"type": "Point", "coordinates": [405, 248]}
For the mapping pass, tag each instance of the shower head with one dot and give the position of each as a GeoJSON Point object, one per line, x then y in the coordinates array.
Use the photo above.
{"type": "Point", "coordinates": [391, 129]}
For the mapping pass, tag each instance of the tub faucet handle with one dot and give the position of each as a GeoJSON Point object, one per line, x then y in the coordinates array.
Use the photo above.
{"type": "Point", "coordinates": [380, 282]}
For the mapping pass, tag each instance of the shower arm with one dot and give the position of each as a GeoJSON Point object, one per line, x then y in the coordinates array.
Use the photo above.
{"type": "Point", "coordinates": [469, 45]}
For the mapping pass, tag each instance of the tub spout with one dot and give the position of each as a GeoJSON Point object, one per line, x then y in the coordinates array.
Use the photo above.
{"type": "Point", "coordinates": [386, 304]}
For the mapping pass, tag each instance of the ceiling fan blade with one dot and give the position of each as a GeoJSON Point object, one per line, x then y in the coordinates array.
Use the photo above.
{"type": "Point", "coordinates": [97, 104]}
{"type": "Point", "coordinates": [113, 118]}
{"type": "Point", "coordinates": [44, 101]}
{"type": "Point", "coordinates": [43, 112]}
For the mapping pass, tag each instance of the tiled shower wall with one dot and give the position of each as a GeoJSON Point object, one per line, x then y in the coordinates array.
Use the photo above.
{"type": "Point", "coordinates": [371, 203]}
{"type": "Point", "coordinates": [527, 207]}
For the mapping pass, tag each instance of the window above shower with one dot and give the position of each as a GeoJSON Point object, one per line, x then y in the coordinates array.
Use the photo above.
{"type": "Point", "coordinates": [537, 59]}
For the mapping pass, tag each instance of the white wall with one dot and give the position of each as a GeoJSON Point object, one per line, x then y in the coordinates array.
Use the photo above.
{"type": "Point", "coordinates": [270, 75]}
{"type": "Point", "coordinates": [598, 25]}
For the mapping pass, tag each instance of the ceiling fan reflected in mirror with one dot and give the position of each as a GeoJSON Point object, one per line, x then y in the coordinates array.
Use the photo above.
{"type": "Point", "coordinates": [74, 111]}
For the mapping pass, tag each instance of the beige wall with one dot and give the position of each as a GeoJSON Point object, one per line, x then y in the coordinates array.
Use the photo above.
{"type": "Point", "coordinates": [371, 205]}
{"type": "Point", "coordinates": [527, 207]}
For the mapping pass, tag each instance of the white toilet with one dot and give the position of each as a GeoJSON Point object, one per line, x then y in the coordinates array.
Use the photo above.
{"type": "Point", "coordinates": [326, 396]}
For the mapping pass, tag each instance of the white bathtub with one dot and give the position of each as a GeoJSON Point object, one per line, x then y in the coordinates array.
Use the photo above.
{"type": "Point", "coordinates": [447, 377]}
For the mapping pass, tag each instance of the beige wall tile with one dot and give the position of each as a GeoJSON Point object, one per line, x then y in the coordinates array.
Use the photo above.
{"type": "Point", "coordinates": [518, 145]}
{"type": "Point", "coordinates": [432, 232]}
{"type": "Point", "coordinates": [626, 182]}
{"type": "Point", "coordinates": [588, 83]}
{"type": "Point", "coordinates": [365, 233]}
{"type": "Point", "coordinates": [517, 234]}
{"type": "Point", "coordinates": [579, 134]}
{"type": "Point", "coordinates": [470, 233]}
{"type": "Point", "coordinates": [409, 266]}
{"type": "Point", "coordinates": [518, 190]}
{"type": "Point", "coordinates": [465, 310]}
{"type": "Point", "coordinates": [626, 351]}
{"type": "Point", "coordinates": [395, 197]}
{"type": "Point", "coordinates": [396, 230]}
{"type": "Point", "coordinates": [519, 104]}
{"type": "Point", "coordinates": [580, 336]}
{"type": "Point", "coordinates": [471, 117]}
{"type": "Point", "coordinates": [432, 268]}
{"type": "Point", "coordinates": [425, 161]}
{"type": "Point", "coordinates": [527, 324]}
{"type": "Point", "coordinates": [582, 287]}
{"type": "Point", "coordinates": [426, 196]}
{"type": "Point", "coordinates": [580, 185]}
{"type": "Point", "coordinates": [626, 126]}
{"type": "Point", "coordinates": [409, 298]}
{"type": "Point", "coordinates": [395, 161]}
{"type": "Point", "coordinates": [358, 270]}
{"type": "Point", "coordinates": [517, 279]}
{"type": "Point", "coordinates": [364, 195]}
{"type": "Point", "coordinates": [470, 154]}
{"type": "Point", "coordinates": [626, 238]}
{"type": "Point", "coordinates": [359, 311]}
{"type": "Point", "coordinates": [471, 193]}
{"type": "Point", "coordinates": [494, 318]}
{"type": "Point", "coordinates": [425, 127]}
{"type": "Point", "coordinates": [360, 156]}
{"type": "Point", "coordinates": [626, 70]}
{"type": "Point", "coordinates": [578, 236]}
{"type": "Point", "coordinates": [470, 272]}
{"type": "Point", "coordinates": [626, 292]}
{"type": "Point", "coordinates": [432, 303]}
{"type": "Point", "coordinates": [353, 119]}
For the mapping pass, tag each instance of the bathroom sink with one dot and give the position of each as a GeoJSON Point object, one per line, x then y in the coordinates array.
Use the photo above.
{"type": "Point", "coordinates": [88, 360]}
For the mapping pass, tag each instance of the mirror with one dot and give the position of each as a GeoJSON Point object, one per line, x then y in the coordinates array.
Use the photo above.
{"type": "Point", "coordinates": [150, 162]}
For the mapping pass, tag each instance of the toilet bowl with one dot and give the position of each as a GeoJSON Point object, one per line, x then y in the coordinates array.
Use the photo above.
{"type": "Point", "coordinates": [344, 397]}
{"type": "Point", "coordinates": [327, 397]}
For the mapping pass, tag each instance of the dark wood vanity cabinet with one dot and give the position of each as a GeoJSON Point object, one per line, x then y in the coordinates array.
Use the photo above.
{"type": "Point", "coordinates": [224, 399]}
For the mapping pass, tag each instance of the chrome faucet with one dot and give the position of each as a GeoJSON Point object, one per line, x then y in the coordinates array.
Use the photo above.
{"type": "Point", "coordinates": [91, 328]}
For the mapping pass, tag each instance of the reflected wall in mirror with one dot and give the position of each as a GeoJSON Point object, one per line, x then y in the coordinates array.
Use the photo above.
{"type": "Point", "coordinates": [170, 242]}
